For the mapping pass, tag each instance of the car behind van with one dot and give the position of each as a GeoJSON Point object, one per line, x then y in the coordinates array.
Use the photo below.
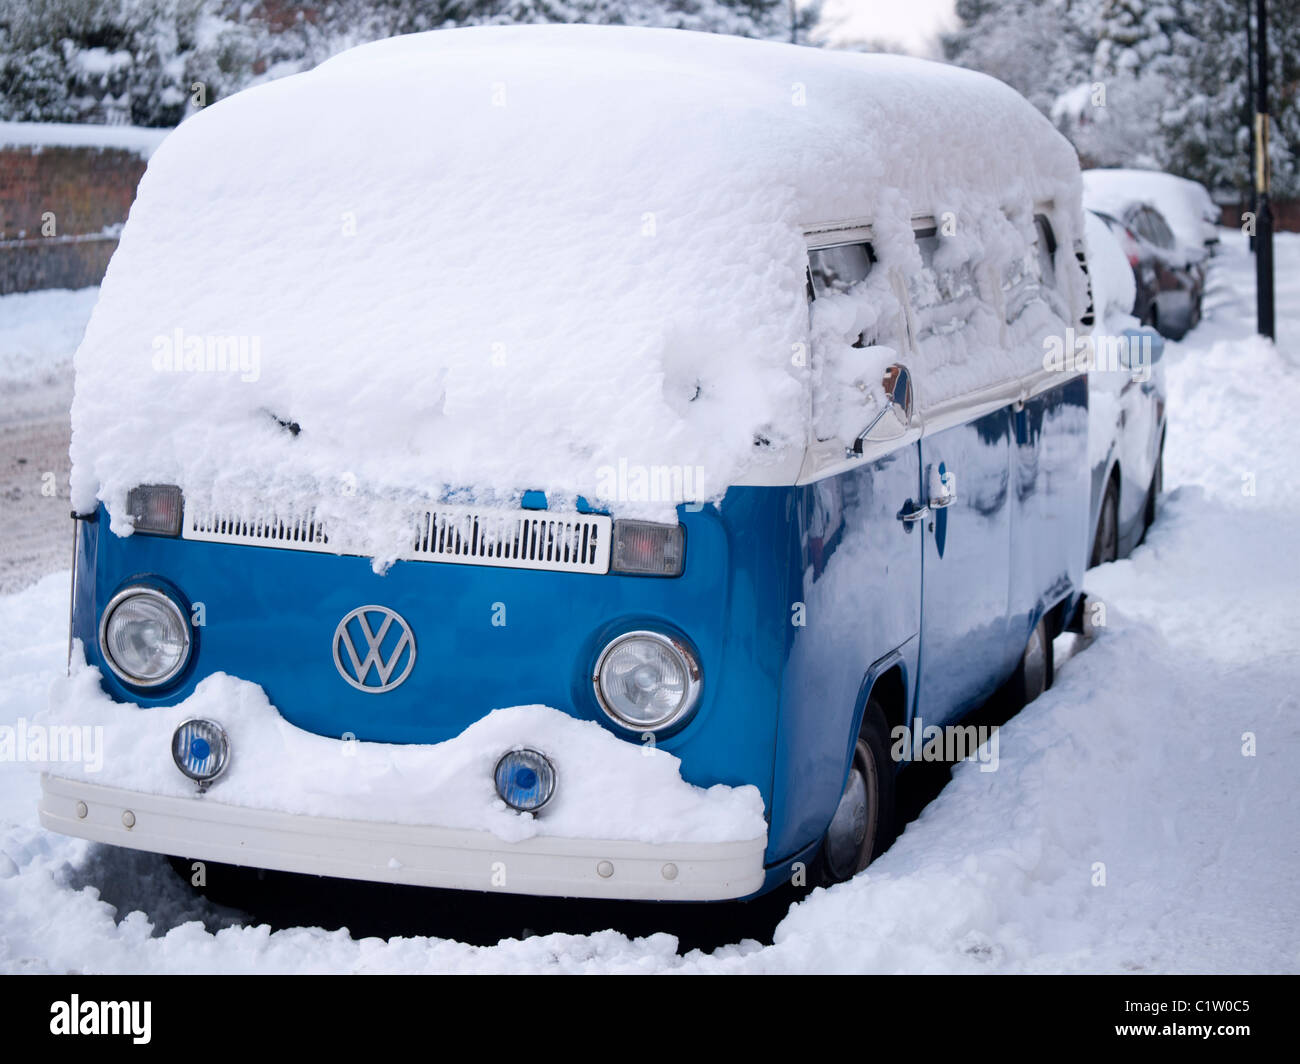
{"type": "Point", "coordinates": [572, 461]}
{"type": "Point", "coordinates": [1128, 399]}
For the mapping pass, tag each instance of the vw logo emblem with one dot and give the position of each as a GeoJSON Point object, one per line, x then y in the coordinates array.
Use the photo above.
{"type": "Point", "coordinates": [360, 646]}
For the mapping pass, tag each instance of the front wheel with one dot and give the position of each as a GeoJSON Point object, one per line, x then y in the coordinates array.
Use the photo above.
{"type": "Point", "coordinates": [862, 827]}
{"type": "Point", "coordinates": [1157, 486]}
{"type": "Point", "coordinates": [1105, 547]}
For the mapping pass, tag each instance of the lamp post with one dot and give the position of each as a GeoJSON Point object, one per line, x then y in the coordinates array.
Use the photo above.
{"type": "Point", "coordinates": [1264, 213]}
{"type": "Point", "coordinates": [1252, 203]}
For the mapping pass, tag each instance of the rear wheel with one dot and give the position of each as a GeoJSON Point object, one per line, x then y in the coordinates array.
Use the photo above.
{"type": "Point", "coordinates": [1105, 547]}
{"type": "Point", "coordinates": [862, 827]}
{"type": "Point", "coordinates": [1034, 674]}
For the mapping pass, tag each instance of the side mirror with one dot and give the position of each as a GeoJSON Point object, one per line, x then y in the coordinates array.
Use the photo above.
{"type": "Point", "coordinates": [895, 416]}
{"type": "Point", "coordinates": [1142, 348]}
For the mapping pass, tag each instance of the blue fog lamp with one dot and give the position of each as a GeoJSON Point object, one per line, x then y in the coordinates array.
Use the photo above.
{"type": "Point", "coordinates": [525, 780]}
{"type": "Point", "coordinates": [201, 750]}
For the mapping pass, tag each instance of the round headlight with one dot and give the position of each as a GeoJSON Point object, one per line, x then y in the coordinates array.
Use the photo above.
{"type": "Point", "coordinates": [144, 636]}
{"type": "Point", "coordinates": [201, 750]}
{"type": "Point", "coordinates": [647, 680]}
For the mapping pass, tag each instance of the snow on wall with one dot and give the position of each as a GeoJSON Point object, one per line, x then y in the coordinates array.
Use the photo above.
{"type": "Point", "coordinates": [144, 142]}
{"type": "Point", "coordinates": [510, 258]}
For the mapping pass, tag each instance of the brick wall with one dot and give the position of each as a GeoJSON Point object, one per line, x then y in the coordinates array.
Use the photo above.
{"type": "Point", "coordinates": [1286, 215]}
{"type": "Point", "coordinates": [89, 191]}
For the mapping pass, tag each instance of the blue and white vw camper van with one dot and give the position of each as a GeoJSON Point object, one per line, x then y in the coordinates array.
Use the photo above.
{"type": "Point", "coordinates": [566, 460]}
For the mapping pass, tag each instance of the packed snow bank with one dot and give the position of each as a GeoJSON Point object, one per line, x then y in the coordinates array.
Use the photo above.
{"type": "Point", "coordinates": [40, 330]}
{"type": "Point", "coordinates": [1185, 204]}
{"type": "Point", "coordinates": [144, 142]}
{"type": "Point", "coordinates": [506, 259]}
{"type": "Point", "coordinates": [608, 789]}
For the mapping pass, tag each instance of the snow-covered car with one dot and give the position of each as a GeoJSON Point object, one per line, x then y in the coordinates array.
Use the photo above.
{"type": "Point", "coordinates": [1126, 403]}
{"type": "Point", "coordinates": [1169, 287]}
{"type": "Point", "coordinates": [1185, 205]}
{"type": "Point", "coordinates": [1170, 270]}
{"type": "Point", "coordinates": [507, 459]}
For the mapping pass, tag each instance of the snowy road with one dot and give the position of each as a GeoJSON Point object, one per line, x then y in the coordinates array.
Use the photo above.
{"type": "Point", "coordinates": [1143, 817]}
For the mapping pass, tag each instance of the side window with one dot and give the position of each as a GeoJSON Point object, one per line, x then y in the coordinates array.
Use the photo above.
{"type": "Point", "coordinates": [1020, 282]}
{"type": "Point", "coordinates": [1164, 236]}
{"type": "Point", "coordinates": [856, 326]}
{"type": "Point", "coordinates": [944, 294]}
{"type": "Point", "coordinates": [1031, 277]}
{"type": "Point", "coordinates": [838, 269]}
{"type": "Point", "coordinates": [1139, 223]}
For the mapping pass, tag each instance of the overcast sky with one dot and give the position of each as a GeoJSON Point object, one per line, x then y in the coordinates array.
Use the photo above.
{"type": "Point", "coordinates": [911, 24]}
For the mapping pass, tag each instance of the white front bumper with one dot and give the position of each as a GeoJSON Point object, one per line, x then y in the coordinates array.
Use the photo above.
{"type": "Point", "coordinates": [420, 855]}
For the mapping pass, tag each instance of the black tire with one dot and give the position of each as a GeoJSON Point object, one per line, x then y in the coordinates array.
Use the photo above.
{"type": "Point", "coordinates": [1157, 486]}
{"type": "Point", "coordinates": [1105, 547]}
{"type": "Point", "coordinates": [868, 824]}
{"type": "Point", "coordinates": [1036, 670]}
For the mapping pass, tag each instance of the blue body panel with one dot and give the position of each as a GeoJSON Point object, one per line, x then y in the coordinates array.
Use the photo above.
{"type": "Point", "coordinates": [795, 598]}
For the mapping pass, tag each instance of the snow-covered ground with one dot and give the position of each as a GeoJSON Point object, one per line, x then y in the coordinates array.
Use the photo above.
{"type": "Point", "coordinates": [1143, 816]}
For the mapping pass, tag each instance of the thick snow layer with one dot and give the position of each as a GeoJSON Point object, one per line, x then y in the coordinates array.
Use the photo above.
{"type": "Point", "coordinates": [608, 789]}
{"type": "Point", "coordinates": [144, 142]}
{"type": "Point", "coordinates": [502, 259]}
{"type": "Point", "coordinates": [1114, 289]}
{"type": "Point", "coordinates": [1136, 766]}
{"type": "Point", "coordinates": [1185, 204]}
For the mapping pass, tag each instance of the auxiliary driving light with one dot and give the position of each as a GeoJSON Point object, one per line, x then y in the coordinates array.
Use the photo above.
{"type": "Point", "coordinates": [201, 750]}
{"type": "Point", "coordinates": [525, 780]}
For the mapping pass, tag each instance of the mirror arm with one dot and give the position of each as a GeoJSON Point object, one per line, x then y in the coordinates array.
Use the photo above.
{"type": "Point", "coordinates": [856, 450]}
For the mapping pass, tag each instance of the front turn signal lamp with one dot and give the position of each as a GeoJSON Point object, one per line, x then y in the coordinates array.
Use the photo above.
{"type": "Point", "coordinates": [156, 509]}
{"type": "Point", "coordinates": [645, 548]}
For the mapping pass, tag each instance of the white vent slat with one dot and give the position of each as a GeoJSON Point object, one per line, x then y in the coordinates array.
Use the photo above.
{"type": "Point", "coordinates": [527, 539]}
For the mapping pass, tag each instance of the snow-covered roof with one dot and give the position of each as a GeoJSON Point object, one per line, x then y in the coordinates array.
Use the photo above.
{"type": "Point", "coordinates": [139, 139]}
{"type": "Point", "coordinates": [1185, 204]}
{"type": "Point", "coordinates": [510, 258]}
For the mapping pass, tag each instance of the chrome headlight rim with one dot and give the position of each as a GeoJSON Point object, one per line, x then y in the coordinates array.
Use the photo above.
{"type": "Point", "coordinates": [183, 621]}
{"type": "Point", "coordinates": [694, 680]}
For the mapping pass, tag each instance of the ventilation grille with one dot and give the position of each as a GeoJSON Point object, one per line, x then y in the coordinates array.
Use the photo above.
{"type": "Point", "coordinates": [512, 539]}
{"type": "Point", "coordinates": [576, 543]}
{"type": "Point", "coordinates": [301, 533]}
{"type": "Point", "coordinates": [1090, 315]}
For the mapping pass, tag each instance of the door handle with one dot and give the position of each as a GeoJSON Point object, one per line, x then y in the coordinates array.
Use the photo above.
{"type": "Point", "coordinates": [908, 516]}
{"type": "Point", "coordinates": [947, 491]}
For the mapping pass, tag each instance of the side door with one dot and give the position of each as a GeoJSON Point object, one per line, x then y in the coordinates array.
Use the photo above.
{"type": "Point", "coordinates": [966, 482]}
